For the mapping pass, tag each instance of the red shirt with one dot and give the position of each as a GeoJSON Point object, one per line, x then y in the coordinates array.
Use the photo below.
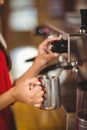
{"type": "Point", "coordinates": [6, 120]}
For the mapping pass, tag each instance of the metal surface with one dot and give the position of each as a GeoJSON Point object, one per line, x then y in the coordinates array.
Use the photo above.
{"type": "Point", "coordinates": [69, 119]}
{"type": "Point", "coordinates": [52, 96]}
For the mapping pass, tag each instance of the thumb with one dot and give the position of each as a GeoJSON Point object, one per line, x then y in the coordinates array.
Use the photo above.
{"type": "Point", "coordinates": [32, 81]}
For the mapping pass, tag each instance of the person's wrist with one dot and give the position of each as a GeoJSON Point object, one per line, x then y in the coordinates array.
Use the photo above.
{"type": "Point", "coordinates": [13, 95]}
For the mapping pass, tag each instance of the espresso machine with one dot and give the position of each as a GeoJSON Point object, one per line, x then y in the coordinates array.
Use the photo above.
{"type": "Point", "coordinates": [74, 69]}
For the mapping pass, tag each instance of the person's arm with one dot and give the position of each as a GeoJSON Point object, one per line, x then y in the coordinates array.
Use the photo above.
{"type": "Point", "coordinates": [6, 99]}
{"type": "Point", "coordinates": [41, 61]}
{"type": "Point", "coordinates": [29, 92]}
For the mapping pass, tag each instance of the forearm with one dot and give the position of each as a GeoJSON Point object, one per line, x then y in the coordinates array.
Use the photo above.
{"type": "Point", "coordinates": [6, 99]}
{"type": "Point", "coordinates": [33, 71]}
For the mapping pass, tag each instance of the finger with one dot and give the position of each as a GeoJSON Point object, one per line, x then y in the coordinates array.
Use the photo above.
{"type": "Point", "coordinates": [48, 40]}
{"type": "Point", "coordinates": [54, 55]}
{"type": "Point", "coordinates": [37, 105]}
{"type": "Point", "coordinates": [39, 100]}
{"type": "Point", "coordinates": [49, 56]}
{"type": "Point", "coordinates": [32, 82]}
{"type": "Point", "coordinates": [40, 94]}
{"type": "Point", "coordinates": [37, 89]}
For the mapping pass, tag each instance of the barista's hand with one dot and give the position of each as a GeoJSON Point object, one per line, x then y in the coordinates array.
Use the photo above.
{"type": "Point", "coordinates": [29, 91]}
{"type": "Point", "coordinates": [45, 55]}
{"type": "Point", "coordinates": [44, 47]}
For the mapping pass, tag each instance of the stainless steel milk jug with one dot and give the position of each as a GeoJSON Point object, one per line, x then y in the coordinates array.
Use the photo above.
{"type": "Point", "coordinates": [52, 97]}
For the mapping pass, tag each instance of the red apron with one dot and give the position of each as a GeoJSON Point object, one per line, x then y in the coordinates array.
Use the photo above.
{"type": "Point", "coordinates": [6, 121]}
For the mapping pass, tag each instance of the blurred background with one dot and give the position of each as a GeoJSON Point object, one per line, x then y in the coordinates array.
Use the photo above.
{"type": "Point", "coordinates": [18, 20]}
